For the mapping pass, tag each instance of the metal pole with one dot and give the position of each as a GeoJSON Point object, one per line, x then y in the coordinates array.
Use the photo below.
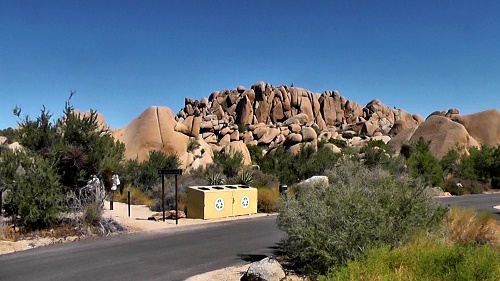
{"type": "Point", "coordinates": [163, 196]}
{"type": "Point", "coordinates": [128, 201]}
{"type": "Point", "coordinates": [1, 200]}
{"type": "Point", "coordinates": [111, 200]}
{"type": "Point", "coordinates": [176, 208]}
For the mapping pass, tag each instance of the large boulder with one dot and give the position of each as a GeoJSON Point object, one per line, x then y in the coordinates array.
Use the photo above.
{"type": "Point", "coordinates": [443, 133]}
{"type": "Point", "coordinates": [269, 135]}
{"type": "Point", "coordinates": [300, 119]}
{"type": "Point", "coordinates": [268, 269]}
{"type": "Point", "coordinates": [483, 126]}
{"type": "Point", "coordinates": [308, 134]}
{"type": "Point", "coordinates": [152, 130]}
{"type": "Point", "coordinates": [235, 146]}
{"type": "Point", "coordinates": [193, 126]}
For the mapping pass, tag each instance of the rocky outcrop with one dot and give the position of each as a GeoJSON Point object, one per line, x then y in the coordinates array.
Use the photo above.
{"type": "Point", "coordinates": [443, 133]}
{"type": "Point", "coordinates": [154, 129]}
{"type": "Point", "coordinates": [483, 126]}
{"type": "Point", "coordinates": [264, 103]}
{"type": "Point", "coordinates": [448, 129]}
{"type": "Point", "coordinates": [293, 117]}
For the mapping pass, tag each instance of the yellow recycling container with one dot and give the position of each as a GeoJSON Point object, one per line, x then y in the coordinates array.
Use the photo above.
{"type": "Point", "coordinates": [245, 199]}
{"type": "Point", "coordinates": [209, 202]}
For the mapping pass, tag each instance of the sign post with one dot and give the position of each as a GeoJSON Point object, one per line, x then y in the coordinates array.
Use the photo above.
{"type": "Point", "coordinates": [162, 173]}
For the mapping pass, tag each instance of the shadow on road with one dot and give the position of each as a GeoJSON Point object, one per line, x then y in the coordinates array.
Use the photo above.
{"type": "Point", "coordinates": [251, 257]}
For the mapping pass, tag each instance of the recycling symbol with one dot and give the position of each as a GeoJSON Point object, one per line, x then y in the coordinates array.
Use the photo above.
{"type": "Point", "coordinates": [245, 202]}
{"type": "Point", "coordinates": [219, 204]}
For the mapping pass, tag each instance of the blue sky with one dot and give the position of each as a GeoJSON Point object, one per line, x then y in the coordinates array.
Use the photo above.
{"type": "Point", "coordinates": [123, 56]}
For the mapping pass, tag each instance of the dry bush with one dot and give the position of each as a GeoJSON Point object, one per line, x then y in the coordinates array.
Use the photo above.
{"type": "Point", "coordinates": [137, 197]}
{"type": "Point", "coordinates": [92, 214]}
{"type": "Point", "coordinates": [466, 226]}
{"type": "Point", "coordinates": [267, 200]}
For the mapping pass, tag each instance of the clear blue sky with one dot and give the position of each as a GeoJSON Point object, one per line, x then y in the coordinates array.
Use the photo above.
{"type": "Point", "coordinates": [123, 56]}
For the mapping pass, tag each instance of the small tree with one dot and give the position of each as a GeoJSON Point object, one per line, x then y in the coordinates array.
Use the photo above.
{"type": "Point", "coordinates": [145, 175]}
{"type": "Point", "coordinates": [34, 192]}
{"type": "Point", "coordinates": [423, 164]}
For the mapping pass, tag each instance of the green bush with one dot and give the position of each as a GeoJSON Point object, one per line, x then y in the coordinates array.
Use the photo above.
{"type": "Point", "coordinates": [423, 259]}
{"type": "Point", "coordinates": [228, 164]}
{"type": "Point", "coordinates": [338, 143]}
{"type": "Point", "coordinates": [360, 209]}
{"type": "Point", "coordinates": [144, 175]}
{"type": "Point", "coordinates": [73, 144]}
{"type": "Point", "coordinates": [377, 153]}
{"type": "Point", "coordinates": [423, 164]}
{"type": "Point", "coordinates": [255, 154]}
{"type": "Point", "coordinates": [294, 168]}
{"type": "Point", "coordinates": [35, 193]}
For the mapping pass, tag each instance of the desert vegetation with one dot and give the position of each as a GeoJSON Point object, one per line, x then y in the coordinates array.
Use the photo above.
{"type": "Point", "coordinates": [48, 183]}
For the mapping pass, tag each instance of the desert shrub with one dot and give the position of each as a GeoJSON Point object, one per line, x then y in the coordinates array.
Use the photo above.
{"type": "Point", "coordinates": [450, 160]}
{"type": "Point", "coordinates": [92, 214]}
{"type": "Point", "coordinates": [228, 164]}
{"type": "Point", "coordinates": [156, 204]}
{"type": "Point", "coordinates": [35, 193]}
{"type": "Point", "coordinates": [245, 176]}
{"type": "Point", "coordinates": [361, 208]}
{"type": "Point", "coordinates": [193, 144]}
{"type": "Point", "coordinates": [256, 154]}
{"type": "Point", "coordinates": [195, 177]}
{"type": "Point", "coordinates": [293, 168]}
{"type": "Point", "coordinates": [377, 153]}
{"type": "Point", "coordinates": [214, 176]}
{"type": "Point", "coordinates": [467, 227]}
{"type": "Point", "coordinates": [482, 164]}
{"type": "Point", "coordinates": [462, 186]}
{"type": "Point", "coordinates": [12, 135]}
{"type": "Point", "coordinates": [423, 259]}
{"type": "Point", "coordinates": [264, 180]}
{"type": "Point", "coordinates": [338, 143]}
{"type": "Point", "coordinates": [267, 201]}
{"type": "Point", "coordinates": [137, 197]}
{"type": "Point", "coordinates": [423, 164]}
{"type": "Point", "coordinates": [74, 145]}
{"type": "Point", "coordinates": [144, 175]}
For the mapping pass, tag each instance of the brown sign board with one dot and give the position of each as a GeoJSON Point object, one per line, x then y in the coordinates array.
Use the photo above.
{"type": "Point", "coordinates": [163, 172]}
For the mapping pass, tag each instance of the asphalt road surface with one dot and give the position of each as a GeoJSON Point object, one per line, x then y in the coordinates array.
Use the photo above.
{"type": "Point", "coordinates": [480, 202]}
{"type": "Point", "coordinates": [172, 255]}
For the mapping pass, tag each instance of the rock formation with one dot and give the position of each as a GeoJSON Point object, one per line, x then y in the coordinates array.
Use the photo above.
{"type": "Point", "coordinates": [292, 117]}
{"type": "Point", "coordinates": [443, 133]}
{"type": "Point", "coordinates": [154, 129]}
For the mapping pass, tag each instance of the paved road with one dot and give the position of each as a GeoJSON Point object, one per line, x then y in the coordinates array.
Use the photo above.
{"type": "Point", "coordinates": [173, 255]}
{"type": "Point", "coordinates": [480, 202]}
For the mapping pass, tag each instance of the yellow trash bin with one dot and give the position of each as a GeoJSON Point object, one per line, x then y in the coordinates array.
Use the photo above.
{"type": "Point", "coordinates": [245, 200]}
{"type": "Point", "coordinates": [209, 202]}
